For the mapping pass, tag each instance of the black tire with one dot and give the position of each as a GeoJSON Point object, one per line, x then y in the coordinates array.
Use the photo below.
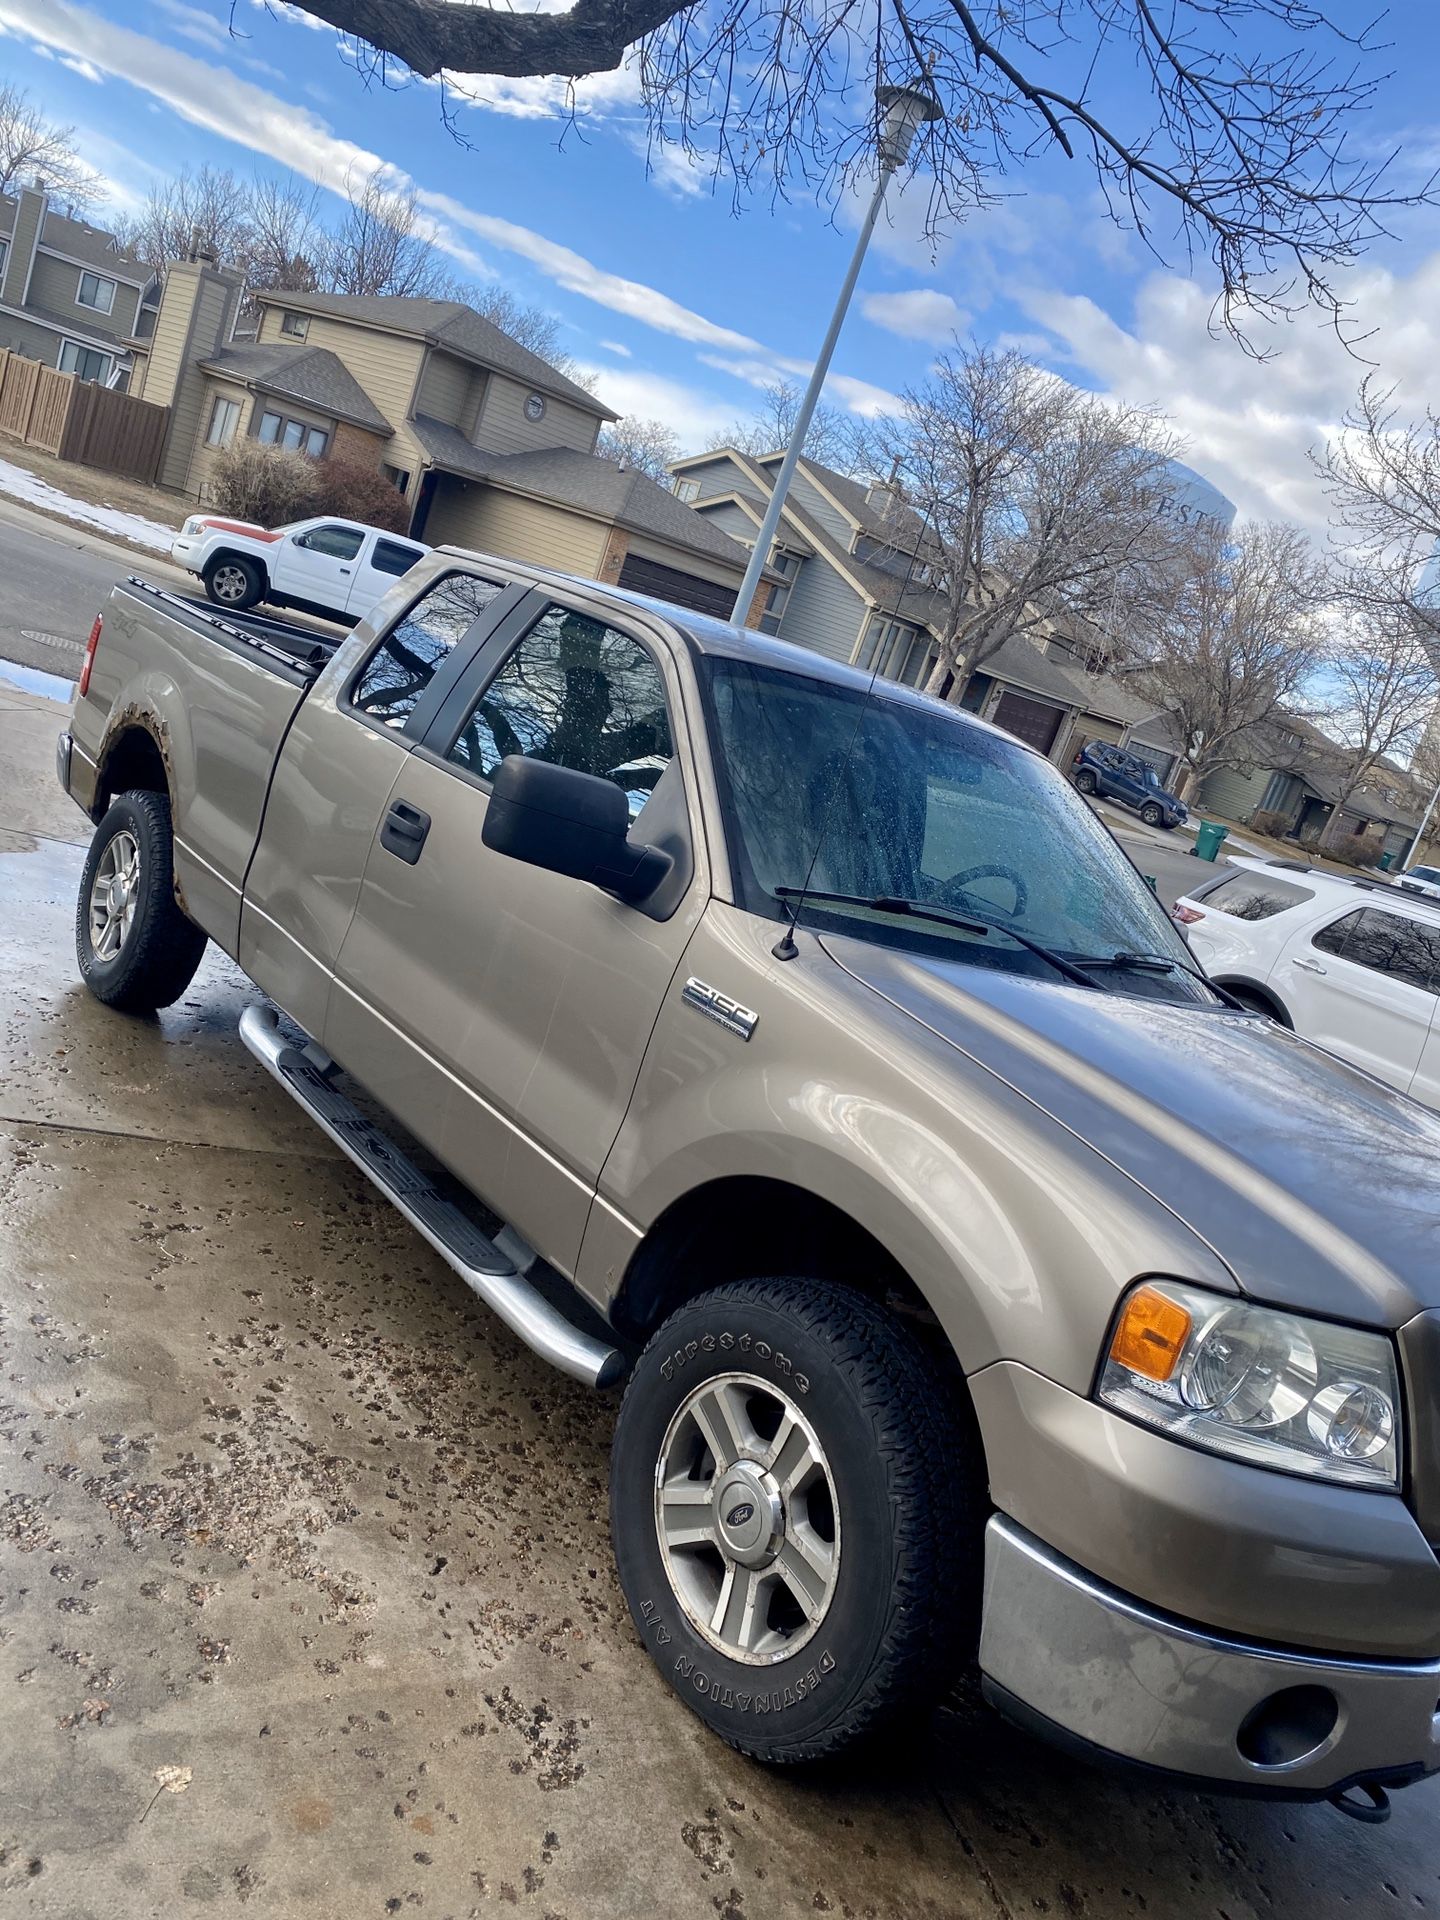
{"type": "Point", "coordinates": [161, 948]}
{"type": "Point", "coordinates": [1085, 780]}
{"type": "Point", "coordinates": [222, 582]}
{"type": "Point", "coordinates": [1152, 815]}
{"type": "Point", "coordinates": [902, 1617]}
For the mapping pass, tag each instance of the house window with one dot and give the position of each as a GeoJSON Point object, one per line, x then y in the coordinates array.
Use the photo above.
{"type": "Point", "coordinates": [773, 611]}
{"type": "Point", "coordinates": [4, 254]}
{"type": "Point", "coordinates": [86, 362]}
{"type": "Point", "coordinates": [687, 490]}
{"type": "Point", "coordinates": [97, 292]}
{"type": "Point", "coordinates": [888, 644]}
{"type": "Point", "coordinates": [294, 326]}
{"type": "Point", "coordinates": [276, 430]}
{"type": "Point", "coordinates": [397, 477]}
{"type": "Point", "coordinates": [224, 418]}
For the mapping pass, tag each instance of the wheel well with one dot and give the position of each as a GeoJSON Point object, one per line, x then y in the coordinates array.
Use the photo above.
{"type": "Point", "coordinates": [233, 553]}
{"type": "Point", "coordinates": [751, 1228]}
{"type": "Point", "coordinates": [132, 763]}
{"type": "Point", "coordinates": [1260, 997]}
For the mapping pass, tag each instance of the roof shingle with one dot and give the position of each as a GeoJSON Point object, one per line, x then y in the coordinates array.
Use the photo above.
{"type": "Point", "coordinates": [311, 375]}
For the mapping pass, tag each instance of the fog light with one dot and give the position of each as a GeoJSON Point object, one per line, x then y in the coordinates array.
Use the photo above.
{"type": "Point", "coordinates": [1289, 1726]}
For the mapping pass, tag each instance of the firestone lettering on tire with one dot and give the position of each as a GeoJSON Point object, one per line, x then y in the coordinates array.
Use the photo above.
{"type": "Point", "coordinates": [774, 1701]}
{"type": "Point", "coordinates": [725, 1342]}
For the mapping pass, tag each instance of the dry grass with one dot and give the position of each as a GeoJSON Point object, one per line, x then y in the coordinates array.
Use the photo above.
{"type": "Point", "coordinates": [97, 488]}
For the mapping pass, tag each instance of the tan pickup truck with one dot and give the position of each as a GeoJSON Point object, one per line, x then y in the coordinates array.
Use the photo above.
{"type": "Point", "coordinates": [991, 1292]}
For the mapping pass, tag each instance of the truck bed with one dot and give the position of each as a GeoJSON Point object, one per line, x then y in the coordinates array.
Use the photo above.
{"type": "Point", "coordinates": [216, 693]}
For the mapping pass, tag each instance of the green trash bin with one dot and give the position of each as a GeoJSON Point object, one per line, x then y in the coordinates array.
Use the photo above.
{"type": "Point", "coordinates": [1387, 861]}
{"type": "Point", "coordinates": [1208, 839]}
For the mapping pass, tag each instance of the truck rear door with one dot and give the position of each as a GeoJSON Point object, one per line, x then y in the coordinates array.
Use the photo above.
{"type": "Point", "coordinates": [382, 561]}
{"type": "Point", "coordinates": [502, 1012]}
{"type": "Point", "coordinates": [341, 758]}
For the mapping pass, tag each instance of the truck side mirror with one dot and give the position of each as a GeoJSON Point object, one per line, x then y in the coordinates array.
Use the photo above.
{"type": "Point", "coordinates": [571, 823]}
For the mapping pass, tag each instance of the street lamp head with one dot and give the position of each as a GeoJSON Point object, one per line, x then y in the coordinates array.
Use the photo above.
{"type": "Point", "coordinates": [905, 110]}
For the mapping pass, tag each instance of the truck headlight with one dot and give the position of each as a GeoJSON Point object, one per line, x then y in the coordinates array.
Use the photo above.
{"type": "Point", "coordinates": [1274, 1389]}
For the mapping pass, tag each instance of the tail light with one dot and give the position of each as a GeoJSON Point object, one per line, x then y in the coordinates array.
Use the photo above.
{"type": "Point", "coordinates": [1185, 916]}
{"type": "Point", "coordinates": [89, 660]}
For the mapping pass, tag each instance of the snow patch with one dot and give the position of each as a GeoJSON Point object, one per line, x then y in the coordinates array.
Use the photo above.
{"type": "Point", "coordinates": [23, 485]}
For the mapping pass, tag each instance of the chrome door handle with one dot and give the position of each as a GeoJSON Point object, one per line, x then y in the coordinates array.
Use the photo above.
{"type": "Point", "coordinates": [1310, 966]}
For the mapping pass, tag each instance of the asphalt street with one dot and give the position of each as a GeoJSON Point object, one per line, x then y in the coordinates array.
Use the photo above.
{"type": "Point", "coordinates": [307, 1605]}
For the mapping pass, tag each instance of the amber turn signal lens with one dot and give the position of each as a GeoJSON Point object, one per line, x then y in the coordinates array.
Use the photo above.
{"type": "Point", "coordinates": [1151, 1335]}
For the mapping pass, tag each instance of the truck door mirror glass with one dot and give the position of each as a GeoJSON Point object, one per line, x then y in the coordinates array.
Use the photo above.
{"type": "Point", "coordinates": [572, 823]}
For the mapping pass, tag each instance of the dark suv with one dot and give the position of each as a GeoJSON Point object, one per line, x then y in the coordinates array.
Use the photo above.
{"type": "Point", "coordinates": [1116, 775]}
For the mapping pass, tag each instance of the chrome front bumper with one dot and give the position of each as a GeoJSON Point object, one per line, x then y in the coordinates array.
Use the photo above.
{"type": "Point", "coordinates": [1074, 1658]}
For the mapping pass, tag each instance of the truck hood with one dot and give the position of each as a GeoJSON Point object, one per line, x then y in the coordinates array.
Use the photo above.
{"type": "Point", "coordinates": [1318, 1186]}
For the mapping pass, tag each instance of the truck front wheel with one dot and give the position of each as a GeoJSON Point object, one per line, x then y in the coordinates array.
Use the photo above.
{"type": "Point", "coordinates": [137, 950]}
{"type": "Point", "coordinates": [234, 582]}
{"type": "Point", "coordinates": [797, 1515]}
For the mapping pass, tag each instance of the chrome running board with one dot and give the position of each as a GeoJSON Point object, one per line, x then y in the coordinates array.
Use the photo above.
{"type": "Point", "coordinates": [484, 1268]}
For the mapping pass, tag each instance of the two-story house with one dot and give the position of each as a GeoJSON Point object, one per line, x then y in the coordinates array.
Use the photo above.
{"type": "Point", "coordinates": [855, 580]}
{"type": "Point", "coordinates": [70, 296]}
{"type": "Point", "coordinates": [493, 447]}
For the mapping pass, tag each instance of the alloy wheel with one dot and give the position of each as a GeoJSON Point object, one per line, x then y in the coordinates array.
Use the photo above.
{"type": "Point", "coordinates": [114, 895]}
{"type": "Point", "coordinates": [747, 1518]}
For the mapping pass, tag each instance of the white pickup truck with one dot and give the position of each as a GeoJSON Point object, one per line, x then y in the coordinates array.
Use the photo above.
{"type": "Point", "coordinates": [340, 568]}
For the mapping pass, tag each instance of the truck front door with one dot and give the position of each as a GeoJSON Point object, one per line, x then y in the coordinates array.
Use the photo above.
{"type": "Point", "coordinates": [500, 1011]}
{"type": "Point", "coordinates": [318, 565]}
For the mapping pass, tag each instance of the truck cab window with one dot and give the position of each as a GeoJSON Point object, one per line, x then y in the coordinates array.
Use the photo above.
{"type": "Point", "coordinates": [578, 694]}
{"type": "Point", "coordinates": [402, 666]}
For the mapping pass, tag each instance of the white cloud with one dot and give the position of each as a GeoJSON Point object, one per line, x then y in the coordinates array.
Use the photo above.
{"type": "Point", "coordinates": [861, 397]}
{"type": "Point", "coordinates": [615, 346]}
{"type": "Point", "coordinates": [1250, 423]}
{"type": "Point", "coordinates": [83, 68]}
{"type": "Point", "coordinates": [921, 314]}
{"type": "Point", "coordinates": [697, 417]}
{"type": "Point", "coordinates": [547, 98]}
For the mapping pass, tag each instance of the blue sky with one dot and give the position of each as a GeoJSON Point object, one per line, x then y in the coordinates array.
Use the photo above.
{"type": "Point", "coordinates": [678, 304]}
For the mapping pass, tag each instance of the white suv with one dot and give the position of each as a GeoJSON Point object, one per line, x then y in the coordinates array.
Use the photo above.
{"type": "Point", "coordinates": [1353, 965]}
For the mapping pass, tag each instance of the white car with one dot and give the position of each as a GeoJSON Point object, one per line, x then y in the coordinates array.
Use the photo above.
{"type": "Point", "coordinates": [1424, 880]}
{"type": "Point", "coordinates": [339, 568]}
{"type": "Point", "coordinates": [1353, 965]}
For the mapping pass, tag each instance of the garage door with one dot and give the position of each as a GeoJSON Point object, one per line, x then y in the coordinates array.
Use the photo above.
{"type": "Point", "coordinates": [680, 589]}
{"type": "Point", "coordinates": [1029, 720]}
{"type": "Point", "coordinates": [1158, 757]}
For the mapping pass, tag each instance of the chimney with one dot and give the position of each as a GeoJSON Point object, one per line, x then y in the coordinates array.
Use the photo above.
{"type": "Point", "coordinates": [30, 206]}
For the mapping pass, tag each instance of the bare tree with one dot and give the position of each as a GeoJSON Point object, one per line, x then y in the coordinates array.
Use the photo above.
{"type": "Point", "coordinates": [34, 150]}
{"type": "Point", "coordinates": [1385, 688]}
{"type": "Point", "coordinates": [383, 245]}
{"type": "Point", "coordinates": [1382, 473]}
{"type": "Point", "coordinates": [206, 210]}
{"type": "Point", "coordinates": [1233, 144]}
{"type": "Point", "coordinates": [649, 446]}
{"type": "Point", "coordinates": [834, 439]}
{"type": "Point", "coordinates": [284, 236]}
{"type": "Point", "coordinates": [1234, 634]}
{"type": "Point", "coordinates": [1039, 503]}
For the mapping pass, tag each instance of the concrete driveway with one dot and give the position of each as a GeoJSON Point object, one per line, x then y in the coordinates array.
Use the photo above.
{"type": "Point", "coordinates": [306, 1599]}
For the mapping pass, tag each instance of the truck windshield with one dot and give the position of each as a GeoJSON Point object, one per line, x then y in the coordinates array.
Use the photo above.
{"type": "Point", "coordinates": [876, 798]}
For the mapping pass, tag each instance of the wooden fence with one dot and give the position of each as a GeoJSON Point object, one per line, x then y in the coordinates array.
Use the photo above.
{"type": "Point", "coordinates": [79, 419]}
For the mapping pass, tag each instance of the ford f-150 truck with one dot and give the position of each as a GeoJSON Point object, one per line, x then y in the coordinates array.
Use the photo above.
{"type": "Point", "coordinates": [990, 1293]}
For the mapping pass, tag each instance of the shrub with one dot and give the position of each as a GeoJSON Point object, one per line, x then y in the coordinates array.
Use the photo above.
{"type": "Point", "coordinates": [1357, 850]}
{"type": "Point", "coordinates": [1274, 825]}
{"type": "Point", "coordinates": [347, 485]}
{"type": "Point", "coordinates": [266, 484]}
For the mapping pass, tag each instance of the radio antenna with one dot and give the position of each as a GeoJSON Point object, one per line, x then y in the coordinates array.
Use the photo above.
{"type": "Point", "coordinates": [785, 947]}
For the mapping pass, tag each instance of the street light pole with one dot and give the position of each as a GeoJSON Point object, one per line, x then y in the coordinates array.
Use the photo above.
{"type": "Point", "coordinates": [1418, 841]}
{"type": "Point", "coordinates": [906, 110]}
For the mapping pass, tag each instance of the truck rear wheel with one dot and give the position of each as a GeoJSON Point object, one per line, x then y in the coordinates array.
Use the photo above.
{"type": "Point", "coordinates": [234, 582]}
{"type": "Point", "coordinates": [137, 950]}
{"type": "Point", "coordinates": [797, 1515]}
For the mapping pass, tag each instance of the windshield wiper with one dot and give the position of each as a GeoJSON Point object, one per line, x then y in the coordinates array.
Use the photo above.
{"type": "Point", "coordinates": [966, 922]}
{"type": "Point", "coordinates": [1157, 963]}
